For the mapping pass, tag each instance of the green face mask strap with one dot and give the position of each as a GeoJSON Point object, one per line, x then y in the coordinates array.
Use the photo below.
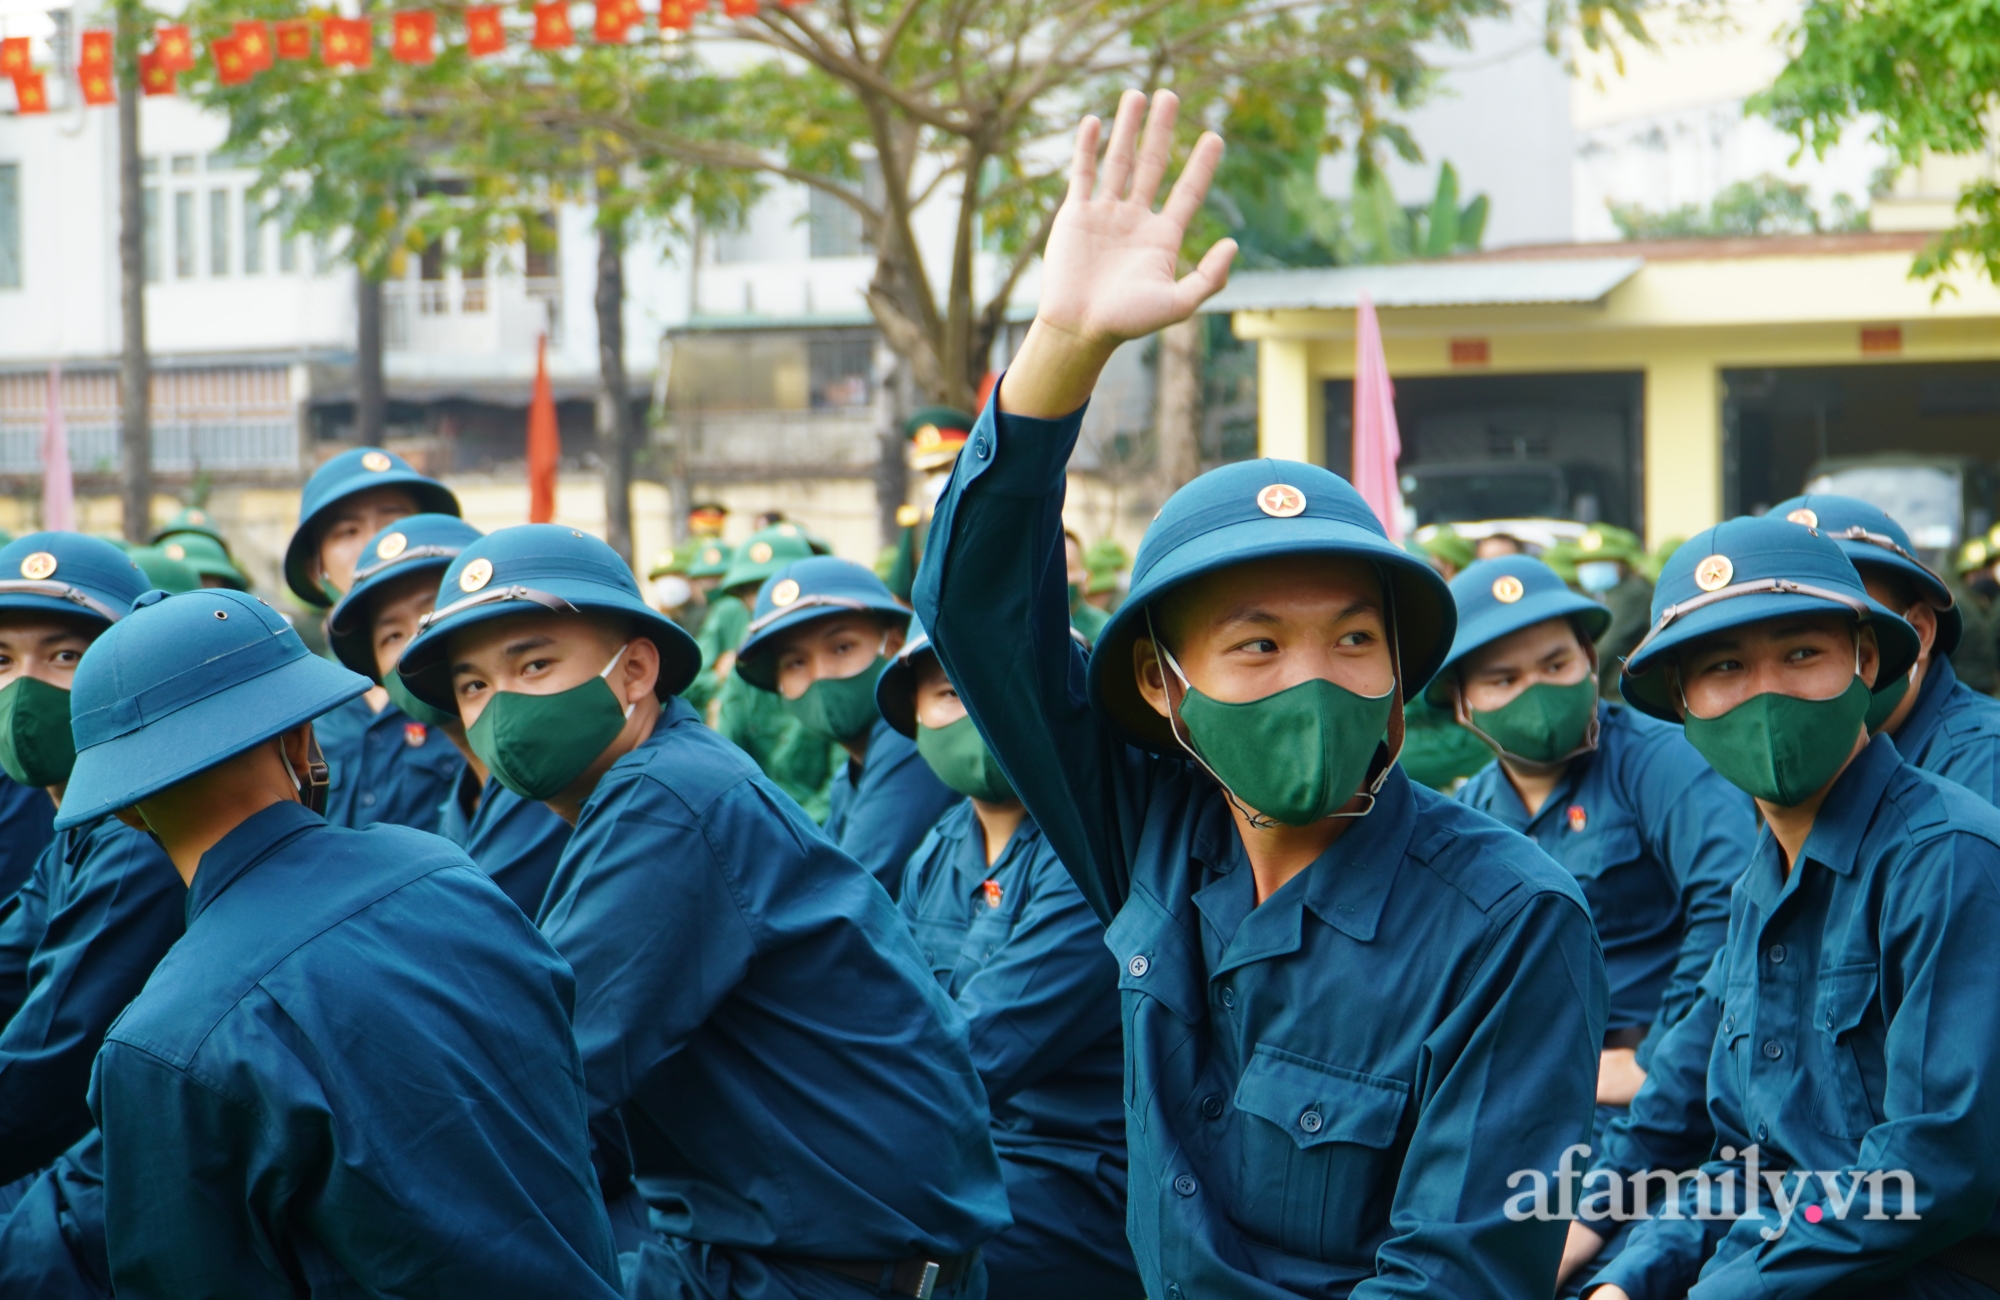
{"type": "Point", "coordinates": [1463, 715]}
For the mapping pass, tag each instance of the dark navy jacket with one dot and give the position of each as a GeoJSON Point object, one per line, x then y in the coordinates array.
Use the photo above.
{"type": "Point", "coordinates": [1656, 839]}
{"type": "Point", "coordinates": [386, 767]}
{"type": "Point", "coordinates": [355, 1077]}
{"type": "Point", "coordinates": [516, 841]}
{"type": "Point", "coordinates": [27, 823]}
{"type": "Point", "coordinates": [1859, 1033]}
{"type": "Point", "coordinates": [1953, 732]}
{"type": "Point", "coordinates": [791, 1078]}
{"type": "Point", "coordinates": [881, 816]}
{"type": "Point", "coordinates": [1324, 1094]}
{"type": "Point", "coordinates": [1019, 949]}
{"type": "Point", "coordinates": [101, 908]}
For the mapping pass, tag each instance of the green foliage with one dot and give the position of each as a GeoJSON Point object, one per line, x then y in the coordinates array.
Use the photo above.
{"type": "Point", "coordinates": [1764, 205]}
{"type": "Point", "coordinates": [1924, 75]}
{"type": "Point", "coordinates": [1385, 231]}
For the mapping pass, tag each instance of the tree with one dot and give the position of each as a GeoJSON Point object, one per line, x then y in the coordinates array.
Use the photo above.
{"type": "Point", "coordinates": [1925, 74]}
{"type": "Point", "coordinates": [1763, 205]}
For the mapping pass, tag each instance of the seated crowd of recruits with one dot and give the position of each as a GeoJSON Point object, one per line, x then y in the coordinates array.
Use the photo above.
{"type": "Point", "coordinates": [1126, 963]}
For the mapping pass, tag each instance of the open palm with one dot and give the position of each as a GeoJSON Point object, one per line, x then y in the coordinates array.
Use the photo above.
{"type": "Point", "coordinates": [1109, 270]}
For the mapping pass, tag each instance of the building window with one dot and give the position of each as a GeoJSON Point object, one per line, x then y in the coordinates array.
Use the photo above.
{"type": "Point", "coordinates": [149, 230]}
{"type": "Point", "coordinates": [472, 286]}
{"type": "Point", "coordinates": [218, 232]}
{"type": "Point", "coordinates": [183, 164]}
{"type": "Point", "coordinates": [542, 247]}
{"type": "Point", "coordinates": [288, 244]}
{"type": "Point", "coordinates": [431, 299]}
{"type": "Point", "coordinates": [836, 228]}
{"type": "Point", "coordinates": [10, 225]}
{"type": "Point", "coordinates": [254, 212]}
{"type": "Point", "coordinates": [184, 234]}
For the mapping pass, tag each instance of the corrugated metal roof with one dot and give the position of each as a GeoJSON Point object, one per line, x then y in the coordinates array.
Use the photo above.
{"type": "Point", "coordinates": [1428, 284]}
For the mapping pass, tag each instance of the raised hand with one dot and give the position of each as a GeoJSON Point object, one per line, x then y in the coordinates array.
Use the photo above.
{"type": "Point", "coordinates": [1109, 273]}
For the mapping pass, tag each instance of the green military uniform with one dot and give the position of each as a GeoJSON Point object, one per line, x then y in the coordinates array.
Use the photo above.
{"type": "Point", "coordinates": [1630, 600]}
{"type": "Point", "coordinates": [1437, 752]}
{"type": "Point", "coordinates": [1976, 658]}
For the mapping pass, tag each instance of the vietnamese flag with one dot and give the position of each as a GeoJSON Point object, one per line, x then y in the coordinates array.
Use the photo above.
{"type": "Point", "coordinates": [739, 8]}
{"type": "Point", "coordinates": [174, 49]}
{"type": "Point", "coordinates": [31, 93]}
{"type": "Point", "coordinates": [346, 42]}
{"type": "Point", "coordinates": [411, 39]}
{"type": "Point", "coordinates": [253, 42]}
{"type": "Point", "coordinates": [96, 85]}
{"type": "Point", "coordinates": [614, 22]}
{"type": "Point", "coordinates": [484, 32]}
{"type": "Point", "coordinates": [232, 68]}
{"type": "Point", "coordinates": [154, 79]}
{"type": "Point", "coordinates": [552, 29]}
{"type": "Point", "coordinates": [96, 50]}
{"type": "Point", "coordinates": [679, 14]}
{"type": "Point", "coordinates": [15, 57]}
{"type": "Point", "coordinates": [295, 39]}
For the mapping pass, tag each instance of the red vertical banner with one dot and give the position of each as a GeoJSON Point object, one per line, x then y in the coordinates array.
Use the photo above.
{"type": "Point", "coordinates": [614, 22]}
{"type": "Point", "coordinates": [552, 29]}
{"type": "Point", "coordinates": [676, 15]}
{"type": "Point", "coordinates": [544, 441]}
{"type": "Point", "coordinates": [96, 84]}
{"type": "Point", "coordinates": [413, 37]}
{"type": "Point", "coordinates": [484, 32]}
{"type": "Point", "coordinates": [253, 42]}
{"type": "Point", "coordinates": [31, 93]}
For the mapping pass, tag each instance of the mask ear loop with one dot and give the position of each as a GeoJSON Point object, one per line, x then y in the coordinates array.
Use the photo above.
{"type": "Point", "coordinates": [605, 676]}
{"type": "Point", "coordinates": [1186, 739]}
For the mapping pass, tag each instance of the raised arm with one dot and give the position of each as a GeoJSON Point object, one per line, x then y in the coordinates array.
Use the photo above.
{"type": "Point", "coordinates": [992, 586]}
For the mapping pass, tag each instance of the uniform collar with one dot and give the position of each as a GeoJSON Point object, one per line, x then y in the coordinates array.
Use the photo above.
{"type": "Point", "coordinates": [251, 842]}
{"type": "Point", "coordinates": [968, 851]}
{"type": "Point", "coordinates": [1835, 839]}
{"type": "Point", "coordinates": [1928, 712]}
{"type": "Point", "coordinates": [1507, 807]}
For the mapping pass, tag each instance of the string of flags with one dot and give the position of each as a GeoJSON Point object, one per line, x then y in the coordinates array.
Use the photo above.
{"type": "Point", "coordinates": [253, 45]}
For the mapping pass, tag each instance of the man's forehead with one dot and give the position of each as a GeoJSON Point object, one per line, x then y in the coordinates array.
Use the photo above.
{"type": "Point", "coordinates": [374, 500]}
{"type": "Point", "coordinates": [1783, 627]}
{"type": "Point", "coordinates": [826, 625]}
{"type": "Point", "coordinates": [27, 627]}
{"type": "Point", "coordinates": [494, 636]}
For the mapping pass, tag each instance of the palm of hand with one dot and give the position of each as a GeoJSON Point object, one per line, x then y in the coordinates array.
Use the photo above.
{"type": "Point", "coordinates": [1109, 270]}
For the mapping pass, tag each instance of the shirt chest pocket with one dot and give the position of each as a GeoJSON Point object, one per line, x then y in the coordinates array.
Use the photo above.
{"type": "Point", "coordinates": [1608, 840]}
{"type": "Point", "coordinates": [1319, 1149]}
{"type": "Point", "coordinates": [1849, 1050]}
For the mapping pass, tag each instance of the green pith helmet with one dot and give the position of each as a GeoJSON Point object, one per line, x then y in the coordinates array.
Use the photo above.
{"type": "Point", "coordinates": [765, 552]}
{"type": "Point", "coordinates": [677, 559]}
{"type": "Point", "coordinates": [195, 520]}
{"type": "Point", "coordinates": [164, 571]}
{"type": "Point", "coordinates": [936, 433]}
{"type": "Point", "coordinates": [1445, 544]}
{"type": "Point", "coordinates": [1602, 542]}
{"type": "Point", "coordinates": [206, 557]}
{"type": "Point", "coordinates": [1974, 555]}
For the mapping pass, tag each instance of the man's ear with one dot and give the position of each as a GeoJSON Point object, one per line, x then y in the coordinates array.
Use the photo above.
{"type": "Point", "coordinates": [130, 816]}
{"type": "Point", "coordinates": [1923, 618]}
{"type": "Point", "coordinates": [639, 672]}
{"type": "Point", "coordinates": [1151, 675]}
{"type": "Point", "coordinates": [1869, 658]}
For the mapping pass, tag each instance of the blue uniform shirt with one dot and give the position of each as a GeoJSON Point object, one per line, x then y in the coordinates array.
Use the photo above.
{"type": "Point", "coordinates": [514, 840]}
{"type": "Point", "coordinates": [52, 1243]}
{"type": "Point", "coordinates": [101, 908]}
{"type": "Point", "coordinates": [1859, 1033]}
{"type": "Point", "coordinates": [386, 767]}
{"type": "Point", "coordinates": [355, 1077]}
{"type": "Point", "coordinates": [1325, 1094]}
{"type": "Point", "coordinates": [791, 1078]}
{"type": "Point", "coordinates": [880, 816]}
{"type": "Point", "coordinates": [1655, 838]}
{"type": "Point", "coordinates": [27, 823]}
{"type": "Point", "coordinates": [1954, 732]}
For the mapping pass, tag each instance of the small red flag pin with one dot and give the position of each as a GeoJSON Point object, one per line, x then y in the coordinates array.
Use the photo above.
{"type": "Point", "coordinates": [1578, 818]}
{"type": "Point", "coordinates": [992, 890]}
{"type": "Point", "coordinates": [415, 734]}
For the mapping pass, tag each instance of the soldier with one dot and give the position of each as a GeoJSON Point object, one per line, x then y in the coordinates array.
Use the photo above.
{"type": "Point", "coordinates": [1010, 937]}
{"type": "Point", "coordinates": [1606, 561]}
{"type": "Point", "coordinates": [822, 632]}
{"type": "Point", "coordinates": [514, 840]}
{"type": "Point", "coordinates": [208, 558]}
{"type": "Point", "coordinates": [386, 766]}
{"type": "Point", "coordinates": [357, 1075]}
{"type": "Point", "coordinates": [1354, 1010]}
{"type": "Point", "coordinates": [794, 1090]}
{"type": "Point", "coordinates": [1083, 616]}
{"type": "Point", "coordinates": [1858, 1037]}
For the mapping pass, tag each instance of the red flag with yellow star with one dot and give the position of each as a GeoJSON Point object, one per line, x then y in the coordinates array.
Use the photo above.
{"type": "Point", "coordinates": [552, 29]}
{"type": "Point", "coordinates": [96, 85]}
{"type": "Point", "coordinates": [154, 79]}
{"type": "Point", "coordinates": [31, 93]}
{"type": "Point", "coordinates": [15, 57]}
{"type": "Point", "coordinates": [413, 36]}
{"type": "Point", "coordinates": [231, 68]}
{"type": "Point", "coordinates": [96, 50]}
{"type": "Point", "coordinates": [739, 8]}
{"type": "Point", "coordinates": [614, 22]}
{"type": "Point", "coordinates": [484, 32]}
{"type": "Point", "coordinates": [253, 42]}
{"type": "Point", "coordinates": [346, 42]}
{"type": "Point", "coordinates": [294, 39]}
{"type": "Point", "coordinates": [174, 49]}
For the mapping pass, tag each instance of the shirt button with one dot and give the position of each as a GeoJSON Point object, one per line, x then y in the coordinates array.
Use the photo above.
{"type": "Point", "coordinates": [1773, 1048]}
{"type": "Point", "coordinates": [1173, 1291]}
{"type": "Point", "coordinates": [982, 448]}
{"type": "Point", "coordinates": [1228, 997]}
{"type": "Point", "coordinates": [1211, 1107]}
{"type": "Point", "coordinates": [1138, 965]}
{"type": "Point", "coordinates": [1185, 1185]}
{"type": "Point", "coordinates": [1311, 1121]}
{"type": "Point", "coordinates": [1728, 1024]}
{"type": "Point", "coordinates": [1829, 1020]}
{"type": "Point", "coordinates": [367, 799]}
{"type": "Point", "coordinates": [1763, 1133]}
{"type": "Point", "coordinates": [1777, 953]}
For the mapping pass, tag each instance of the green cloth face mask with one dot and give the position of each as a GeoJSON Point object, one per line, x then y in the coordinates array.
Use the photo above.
{"type": "Point", "coordinates": [417, 710]}
{"type": "Point", "coordinates": [36, 747]}
{"type": "Point", "coordinates": [1780, 748]}
{"type": "Point", "coordinates": [536, 745]}
{"type": "Point", "coordinates": [1295, 756]}
{"type": "Point", "coordinates": [1884, 702]}
{"type": "Point", "coordinates": [964, 762]}
{"type": "Point", "coordinates": [839, 708]}
{"type": "Point", "coordinates": [1544, 724]}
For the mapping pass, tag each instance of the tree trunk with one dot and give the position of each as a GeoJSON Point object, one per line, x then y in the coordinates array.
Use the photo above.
{"type": "Point", "coordinates": [1177, 406]}
{"type": "Point", "coordinates": [892, 466]}
{"type": "Point", "coordinates": [370, 401]}
{"type": "Point", "coordinates": [617, 430]}
{"type": "Point", "coordinates": [135, 425]}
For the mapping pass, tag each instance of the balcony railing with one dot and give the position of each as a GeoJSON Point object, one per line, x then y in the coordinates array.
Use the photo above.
{"type": "Point", "coordinates": [455, 315]}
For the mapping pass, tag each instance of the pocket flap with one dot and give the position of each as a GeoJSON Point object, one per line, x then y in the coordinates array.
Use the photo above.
{"type": "Point", "coordinates": [1844, 997]}
{"type": "Point", "coordinates": [1314, 1102]}
{"type": "Point", "coordinates": [1156, 958]}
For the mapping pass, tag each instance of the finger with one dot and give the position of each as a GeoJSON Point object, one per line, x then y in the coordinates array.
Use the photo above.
{"type": "Point", "coordinates": [1083, 163]}
{"type": "Point", "coordinates": [1192, 187]}
{"type": "Point", "coordinates": [1118, 154]}
{"type": "Point", "coordinates": [1202, 283]}
{"type": "Point", "coordinates": [1156, 149]}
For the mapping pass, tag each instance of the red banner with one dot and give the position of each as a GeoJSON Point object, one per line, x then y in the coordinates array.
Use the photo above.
{"type": "Point", "coordinates": [347, 42]}
{"type": "Point", "coordinates": [96, 51]}
{"type": "Point", "coordinates": [253, 42]}
{"type": "Point", "coordinates": [552, 29]}
{"type": "Point", "coordinates": [31, 93]}
{"type": "Point", "coordinates": [414, 34]}
{"type": "Point", "coordinates": [174, 49]}
{"type": "Point", "coordinates": [96, 84]}
{"type": "Point", "coordinates": [153, 78]}
{"type": "Point", "coordinates": [15, 57]}
{"type": "Point", "coordinates": [484, 32]}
